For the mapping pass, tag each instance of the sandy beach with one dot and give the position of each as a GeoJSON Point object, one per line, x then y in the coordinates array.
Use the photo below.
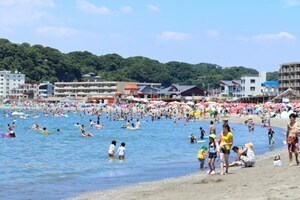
{"type": "Point", "coordinates": [264, 181]}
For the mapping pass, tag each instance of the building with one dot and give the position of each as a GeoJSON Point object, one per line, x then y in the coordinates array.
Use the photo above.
{"type": "Point", "coordinates": [45, 90]}
{"type": "Point", "coordinates": [10, 81]}
{"type": "Point", "coordinates": [230, 88]}
{"type": "Point", "coordinates": [91, 77]}
{"type": "Point", "coordinates": [270, 88]}
{"type": "Point", "coordinates": [289, 77]}
{"type": "Point", "coordinates": [106, 91]}
{"type": "Point", "coordinates": [147, 92]}
{"type": "Point", "coordinates": [24, 91]}
{"type": "Point", "coordinates": [253, 85]}
{"type": "Point", "coordinates": [179, 92]}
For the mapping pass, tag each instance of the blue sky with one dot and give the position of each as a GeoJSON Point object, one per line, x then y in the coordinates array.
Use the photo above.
{"type": "Point", "coordinates": [260, 34]}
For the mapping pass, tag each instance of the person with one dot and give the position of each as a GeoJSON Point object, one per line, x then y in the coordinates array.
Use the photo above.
{"type": "Point", "coordinates": [121, 151]}
{"type": "Point", "coordinates": [271, 136]}
{"type": "Point", "coordinates": [111, 150]}
{"type": "Point", "coordinates": [213, 149]}
{"type": "Point", "coordinates": [201, 156]}
{"type": "Point", "coordinates": [11, 133]}
{"type": "Point", "coordinates": [212, 129]}
{"type": "Point", "coordinates": [248, 160]}
{"type": "Point", "coordinates": [202, 133]}
{"type": "Point", "coordinates": [192, 138]}
{"type": "Point", "coordinates": [239, 152]}
{"type": "Point", "coordinates": [292, 138]}
{"type": "Point", "coordinates": [138, 124]}
{"type": "Point", "coordinates": [44, 131]}
{"type": "Point", "coordinates": [14, 123]}
{"type": "Point", "coordinates": [250, 125]}
{"type": "Point", "coordinates": [84, 133]}
{"type": "Point", "coordinates": [226, 140]}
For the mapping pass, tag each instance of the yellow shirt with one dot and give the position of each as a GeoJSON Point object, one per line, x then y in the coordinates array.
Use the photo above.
{"type": "Point", "coordinates": [201, 154]}
{"type": "Point", "coordinates": [227, 139]}
{"type": "Point", "coordinates": [45, 132]}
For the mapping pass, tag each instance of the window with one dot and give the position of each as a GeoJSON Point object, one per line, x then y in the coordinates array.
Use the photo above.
{"type": "Point", "coordinates": [252, 80]}
{"type": "Point", "coordinates": [252, 88]}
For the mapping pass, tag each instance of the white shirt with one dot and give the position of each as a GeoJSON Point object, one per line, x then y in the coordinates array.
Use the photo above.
{"type": "Point", "coordinates": [121, 151]}
{"type": "Point", "coordinates": [111, 149]}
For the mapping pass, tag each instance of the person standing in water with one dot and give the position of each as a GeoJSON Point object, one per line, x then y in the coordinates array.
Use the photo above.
{"type": "Point", "coordinates": [212, 129]}
{"type": "Point", "coordinates": [271, 136]}
{"type": "Point", "coordinates": [121, 151]}
{"type": "Point", "coordinates": [111, 150]}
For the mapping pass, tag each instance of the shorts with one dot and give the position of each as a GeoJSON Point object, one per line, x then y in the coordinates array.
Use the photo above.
{"type": "Point", "coordinates": [212, 155]}
{"type": "Point", "coordinates": [225, 151]}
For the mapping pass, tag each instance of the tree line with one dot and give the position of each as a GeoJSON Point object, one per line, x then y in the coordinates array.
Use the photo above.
{"type": "Point", "coordinates": [40, 63]}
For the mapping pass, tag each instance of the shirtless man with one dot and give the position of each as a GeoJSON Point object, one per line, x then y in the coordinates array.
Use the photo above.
{"type": "Point", "coordinates": [292, 133]}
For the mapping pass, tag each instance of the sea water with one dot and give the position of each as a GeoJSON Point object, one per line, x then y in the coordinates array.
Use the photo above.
{"type": "Point", "coordinates": [63, 164]}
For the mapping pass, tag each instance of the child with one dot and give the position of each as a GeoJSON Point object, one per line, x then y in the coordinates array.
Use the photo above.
{"type": "Point", "coordinates": [111, 150]}
{"type": "Point", "coordinates": [202, 133]}
{"type": "Point", "coordinates": [192, 138]}
{"type": "Point", "coordinates": [271, 136]}
{"type": "Point", "coordinates": [201, 156]}
{"type": "Point", "coordinates": [212, 153]}
{"type": "Point", "coordinates": [44, 131]}
{"type": "Point", "coordinates": [121, 151]}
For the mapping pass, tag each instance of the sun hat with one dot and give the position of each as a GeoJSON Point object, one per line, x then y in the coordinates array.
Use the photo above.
{"type": "Point", "coordinates": [213, 136]}
{"type": "Point", "coordinates": [249, 145]}
{"type": "Point", "coordinates": [204, 147]}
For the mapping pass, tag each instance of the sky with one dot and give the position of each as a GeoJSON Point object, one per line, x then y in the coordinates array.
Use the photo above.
{"type": "Point", "coordinates": [259, 34]}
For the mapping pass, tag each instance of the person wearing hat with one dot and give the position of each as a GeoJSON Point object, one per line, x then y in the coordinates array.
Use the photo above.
{"type": "Point", "coordinates": [201, 156]}
{"type": "Point", "coordinates": [248, 160]}
{"type": "Point", "coordinates": [213, 149]}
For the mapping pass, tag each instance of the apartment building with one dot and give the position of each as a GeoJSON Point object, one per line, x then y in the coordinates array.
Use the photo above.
{"type": "Point", "coordinates": [109, 89]}
{"type": "Point", "coordinates": [45, 90]}
{"type": "Point", "coordinates": [252, 86]}
{"type": "Point", "coordinates": [289, 77]}
{"type": "Point", "coordinates": [230, 88]}
{"type": "Point", "coordinates": [10, 81]}
{"type": "Point", "coordinates": [24, 91]}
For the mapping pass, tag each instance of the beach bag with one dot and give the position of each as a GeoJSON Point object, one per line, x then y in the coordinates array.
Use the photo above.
{"type": "Point", "coordinates": [277, 161]}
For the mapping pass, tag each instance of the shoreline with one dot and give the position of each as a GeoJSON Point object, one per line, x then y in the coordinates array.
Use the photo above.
{"type": "Point", "coordinates": [264, 181]}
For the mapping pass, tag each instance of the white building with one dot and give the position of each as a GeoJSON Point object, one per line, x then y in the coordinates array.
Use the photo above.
{"type": "Point", "coordinates": [253, 85]}
{"type": "Point", "coordinates": [10, 81]}
{"type": "Point", "coordinates": [45, 90]}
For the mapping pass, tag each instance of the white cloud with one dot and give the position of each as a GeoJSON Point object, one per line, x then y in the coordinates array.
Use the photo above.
{"type": "Point", "coordinates": [126, 9]}
{"type": "Point", "coordinates": [276, 36]}
{"type": "Point", "coordinates": [56, 31]}
{"type": "Point", "coordinates": [170, 35]}
{"type": "Point", "coordinates": [290, 3]}
{"type": "Point", "coordinates": [281, 36]}
{"type": "Point", "coordinates": [44, 3]}
{"type": "Point", "coordinates": [153, 8]}
{"type": "Point", "coordinates": [91, 8]}
{"type": "Point", "coordinates": [212, 33]}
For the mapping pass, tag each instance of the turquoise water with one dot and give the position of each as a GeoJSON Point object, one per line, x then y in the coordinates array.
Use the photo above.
{"type": "Point", "coordinates": [63, 164]}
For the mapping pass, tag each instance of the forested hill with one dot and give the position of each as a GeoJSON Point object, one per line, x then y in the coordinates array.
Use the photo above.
{"type": "Point", "coordinates": [41, 63]}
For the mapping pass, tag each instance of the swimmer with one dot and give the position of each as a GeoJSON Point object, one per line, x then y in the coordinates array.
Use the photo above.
{"type": "Point", "coordinates": [44, 131]}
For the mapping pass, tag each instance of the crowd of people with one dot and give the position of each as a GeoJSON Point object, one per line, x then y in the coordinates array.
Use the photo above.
{"type": "Point", "coordinates": [218, 146]}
